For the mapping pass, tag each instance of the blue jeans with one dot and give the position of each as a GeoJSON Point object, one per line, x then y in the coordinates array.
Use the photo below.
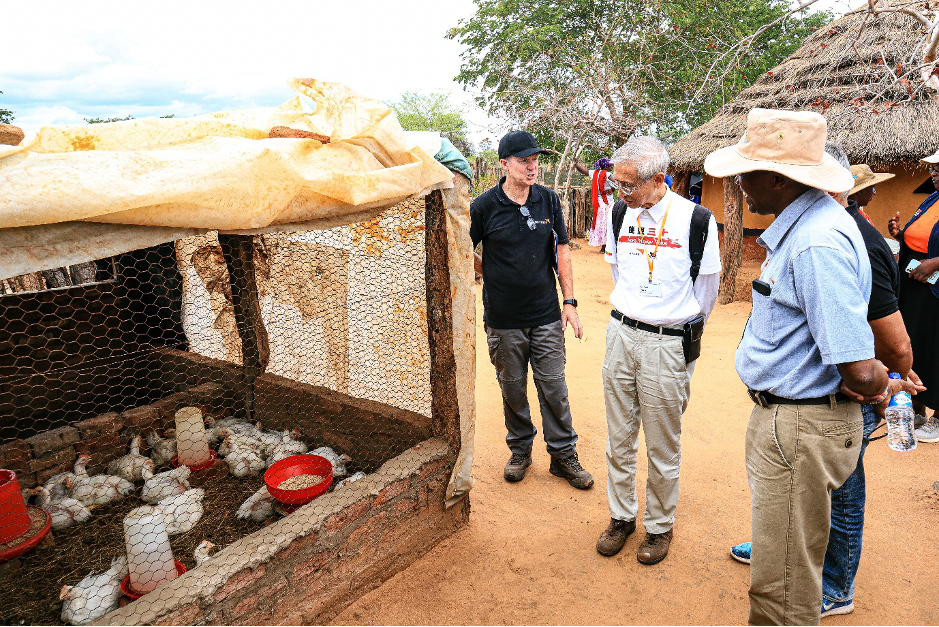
{"type": "Point", "coordinates": [847, 525]}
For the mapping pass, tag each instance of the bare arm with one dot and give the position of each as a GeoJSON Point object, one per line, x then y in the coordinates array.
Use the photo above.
{"type": "Point", "coordinates": [478, 263]}
{"type": "Point", "coordinates": [866, 378]}
{"type": "Point", "coordinates": [892, 344]}
{"type": "Point", "coordinates": [581, 169]}
{"type": "Point", "coordinates": [566, 278]}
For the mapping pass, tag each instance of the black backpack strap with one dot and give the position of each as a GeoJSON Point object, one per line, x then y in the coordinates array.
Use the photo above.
{"type": "Point", "coordinates": [700, 220]}
{"type": "Point", "coordinates": [619, 214]}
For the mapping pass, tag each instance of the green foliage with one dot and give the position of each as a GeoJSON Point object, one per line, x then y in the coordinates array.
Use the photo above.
{"type": "Point", "coordinates": [433, 112]}
{"type": "Point", "coordinates": [625, 65]}
{"type": "Point", "coordinates": [6, 116]}
{"type": "Point", "coordinates": [106, 120]}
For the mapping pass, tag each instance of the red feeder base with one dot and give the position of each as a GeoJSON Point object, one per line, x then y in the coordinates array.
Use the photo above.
{"type": "Point", "coordinates": [206, 464]}
{"type": "Point", "coordinates": [133, 595]}
{"type": "Point", "coordinates": [41, 522]}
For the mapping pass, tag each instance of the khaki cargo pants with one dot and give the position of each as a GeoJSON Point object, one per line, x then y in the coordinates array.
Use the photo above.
{"type": "Point", "coordinates": [796, 456]}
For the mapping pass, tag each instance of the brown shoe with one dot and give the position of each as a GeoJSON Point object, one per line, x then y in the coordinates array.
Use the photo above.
{"type": "Point", "coordinates": [654, 548]}
{"type": "Point", "coordinates": [614, 537]}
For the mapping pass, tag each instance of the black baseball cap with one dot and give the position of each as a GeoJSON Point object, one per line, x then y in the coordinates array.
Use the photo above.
{"type": "Point", "coordinates": [519, 144]}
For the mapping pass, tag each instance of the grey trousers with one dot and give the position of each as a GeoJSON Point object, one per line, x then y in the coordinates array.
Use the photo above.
{"type": "Point", "coordinates": [511, 350]}
{"type": "Point", "coordinates": [796, 456]}
{"type": "Point", "coordinates": [645, 381]}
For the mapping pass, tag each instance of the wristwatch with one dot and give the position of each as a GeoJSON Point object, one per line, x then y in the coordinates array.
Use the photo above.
{"type": "Point", "coordinates": [571, 301]}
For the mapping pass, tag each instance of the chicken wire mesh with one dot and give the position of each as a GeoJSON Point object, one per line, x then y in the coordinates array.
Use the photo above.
{"type": "Point", "coordinates": [145, 398]}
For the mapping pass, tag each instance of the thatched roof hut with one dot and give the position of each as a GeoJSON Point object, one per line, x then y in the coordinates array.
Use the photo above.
{"type": "Point", "coordinates": [847, 71]}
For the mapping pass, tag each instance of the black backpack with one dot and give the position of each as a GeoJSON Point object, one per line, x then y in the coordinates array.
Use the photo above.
{"type": "Point", "coordinates": [700, 218]}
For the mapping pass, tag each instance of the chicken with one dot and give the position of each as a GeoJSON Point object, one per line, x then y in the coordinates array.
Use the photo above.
{"type": "Point", "coordinates": [289, 444]}
{"type": "Point", "coordinates": [129, 466]}
{"type": "Point", "coordinates": [269, 440]}
{"type": "Point", "coordinates": [60, 485]}
{"type": "Point", "coordinates": [162, 451]}
{"type": "Point", "coordinates": [237, 439]}
{"type": "Point", "coordinates": [201, 554]}
{"type": "Point", "coordinates": [259, 506]}
{"type": "Point", "coordinates": [181, 511]}
{"type": "Point", "coordinates": [165, 484]}
{"type": "Point", "coordinates": [349, 479]}
{"type": "Point", "coordinates": [236, 425]}
{"type": "Point", "coordinates": [243, 460]}
{"type": "Point", "coordinates": [65, 511]}
{"type": "Point", "coordinates": [338, 461]}
{"type": "Point", "coordinates": [95, 595]}
{"type": "Point", "coordinates": [99, 489]}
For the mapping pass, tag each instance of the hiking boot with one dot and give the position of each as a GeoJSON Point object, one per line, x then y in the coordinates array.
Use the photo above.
{"type": "Point", "coordinates": [654, 548]}
{"type": "Point", "coordinates": [569, 468]}
{"type": "Point", "coordinates": [515, 469]}
{"type": "Point", "coordinates": [614, 537]}
{"type": "Point", "coordinates": [929, 432]}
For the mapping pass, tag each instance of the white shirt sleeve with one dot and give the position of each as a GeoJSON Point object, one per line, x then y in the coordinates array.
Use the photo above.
{"type": "Point", "coordinates": [711, 261]}
{"type": "Point", "coordinates": [610, 254]}
{"type": "Point", "coordinates": [706, 287]}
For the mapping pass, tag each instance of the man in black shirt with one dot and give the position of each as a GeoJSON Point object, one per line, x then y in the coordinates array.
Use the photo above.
{"type": "Point", "coordinates": [521, 226]}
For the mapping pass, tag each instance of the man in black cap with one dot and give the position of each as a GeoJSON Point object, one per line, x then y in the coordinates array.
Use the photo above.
{"type": "Point", "coordinates": [525, 244]}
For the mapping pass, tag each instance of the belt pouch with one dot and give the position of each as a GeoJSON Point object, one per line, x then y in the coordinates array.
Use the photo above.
{"type": "Point", "coordinates": [691, 339]}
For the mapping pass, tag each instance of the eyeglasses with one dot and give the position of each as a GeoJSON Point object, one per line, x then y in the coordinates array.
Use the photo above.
{"type": "Point", "coordinates": [527, 214]}
{"type": "Point", "coordinates": [933, 169]}
{"type": "Point", "coordinates": [629, 190]}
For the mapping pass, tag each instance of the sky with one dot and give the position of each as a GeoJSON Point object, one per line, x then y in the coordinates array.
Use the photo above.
{"type": "Point", "coordinates": [62, 62]}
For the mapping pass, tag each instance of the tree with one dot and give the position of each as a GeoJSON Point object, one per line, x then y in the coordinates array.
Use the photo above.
{"type": "Point", "coordinates": [106, 120]}
{"type": "Point", "coordinates": [6, 116]}
{"type": "Point", "coordinates": [433, 112]}
{"type": "Point", "coordinates": [581, 73]}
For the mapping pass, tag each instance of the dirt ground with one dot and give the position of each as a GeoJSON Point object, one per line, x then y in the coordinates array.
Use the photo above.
{"type": "Point", "coordinates": [527, 555]}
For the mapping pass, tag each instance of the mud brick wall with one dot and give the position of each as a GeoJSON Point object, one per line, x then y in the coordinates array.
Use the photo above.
{"type": "Point", "coordinates": [105, 437]}
{"type": "Point", "coordinates": [307, 567]}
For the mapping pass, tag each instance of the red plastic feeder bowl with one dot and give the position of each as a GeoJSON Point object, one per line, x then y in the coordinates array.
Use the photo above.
{"type": "Point", "coordinates": [298, 465]}
{"type": "Point", "coordinates": [133, 595]}
{"type": "Point", "coordinates": [206, 464]}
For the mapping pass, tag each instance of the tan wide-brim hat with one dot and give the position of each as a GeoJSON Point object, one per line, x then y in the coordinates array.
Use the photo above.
{"type": "Point", "coordinates": [933, 158]}
{"type": "Point", "coordinates": [864, 177]}
{"type": "Point", "coordinates": [791, 143]}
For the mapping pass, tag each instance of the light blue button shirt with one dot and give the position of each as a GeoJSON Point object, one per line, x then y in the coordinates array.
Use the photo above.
{"type": "Point", "coordinates": [816, 314]}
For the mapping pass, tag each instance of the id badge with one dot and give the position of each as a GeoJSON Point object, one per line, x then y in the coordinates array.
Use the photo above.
{"type": "Point", "coordinates": [651, 290]}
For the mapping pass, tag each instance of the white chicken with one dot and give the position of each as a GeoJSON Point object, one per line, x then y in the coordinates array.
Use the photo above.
{"type": "Point", "coordinates": [290, 444]}
{"type": "Point", "coordinates": [129, 466]}
{"type": "Point", "coordinates": [99, 489]}
{"type": "Point", "coordinates": [338, 461]}
{"type": "Point", "coordinates": [95, 595]}
{"type": "Point", "coordinates": [232, 439]}
{"type": "Point", "coordinates": [65, 511]}
{"type": "Point", "coordinates": [269, 439]}
{"type": "Point", "coordinates": [60, 485]}
{"type": "Point", "coordinates": [236, 425]}
{"type": "Point", "coordinates": [350, 479]}
{"type": "Point", "coordinates": [162, 451]}
{"type": "Point", "coordinates": [201, 554]}
{"type": "Point", "coordinates": [259, 506]}
{"type": "Point", "coordinates": [181, 511]}
{"type": "Point", "coordinates": [243, 460]}
{"type": "Point", "coordinates": [165, 484]}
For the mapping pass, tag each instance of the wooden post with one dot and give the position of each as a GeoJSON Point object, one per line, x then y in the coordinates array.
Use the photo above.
{"type": "Point", "coordinates": [238, 251]}
{"type": "Point", "coordinates": [680, 183]}
{"type": "Point", "coordinates": [444, 409]}
{"type": "Point", "coordinates": [733, 239]}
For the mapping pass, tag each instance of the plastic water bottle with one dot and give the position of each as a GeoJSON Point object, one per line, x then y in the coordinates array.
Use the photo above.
{"type": "Point", "coordinates": [899, 415]}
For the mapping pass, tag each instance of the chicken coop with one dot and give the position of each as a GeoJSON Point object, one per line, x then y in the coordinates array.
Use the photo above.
{"type": "Point", "coordinates": [237, 363]}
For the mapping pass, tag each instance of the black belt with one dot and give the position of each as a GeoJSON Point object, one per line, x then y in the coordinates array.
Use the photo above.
{"type": "Point", "coordinates": [765, 399]}
{"type": "Point", "coordinates": [629, 322]}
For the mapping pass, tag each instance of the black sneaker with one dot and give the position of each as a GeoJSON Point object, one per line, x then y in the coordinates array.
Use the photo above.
{"type": "Point", "coordinates": [515, 469]}
{"type": "Point", "coordinates": [569, 468]}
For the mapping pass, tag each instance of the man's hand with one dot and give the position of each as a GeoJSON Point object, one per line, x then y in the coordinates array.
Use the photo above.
{"type": "Point", "coordinates": [893, 225]}
{"type": "Point", "coordinates": [895, 386]}
{"type": "Point", "coordinates": [477, 263]}
{"type": "Point", "coordinates": [569, 314]}
{"type": "Point", "coordinates": [924, 270]}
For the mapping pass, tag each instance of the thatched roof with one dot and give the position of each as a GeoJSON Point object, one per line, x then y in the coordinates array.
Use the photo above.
{"type": "Point", "coordinates": [830, 75]}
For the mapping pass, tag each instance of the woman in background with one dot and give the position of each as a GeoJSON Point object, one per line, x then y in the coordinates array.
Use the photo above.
{"type": "Point", "coordinates": [601, 199]}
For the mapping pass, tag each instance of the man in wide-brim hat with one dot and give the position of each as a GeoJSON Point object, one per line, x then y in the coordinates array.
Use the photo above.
{"type": "Point", "coordinates": [864, 181]}
{"type": "Point", "coordinates": [807, 337]}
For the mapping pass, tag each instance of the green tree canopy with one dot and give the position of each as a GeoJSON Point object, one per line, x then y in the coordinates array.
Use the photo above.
{"type": "Point", "coordinates": [433, 112]}
{"type": "Point", "coordinates": [6, 116]}
{"type": "Point", "coordinates": [106, 120]}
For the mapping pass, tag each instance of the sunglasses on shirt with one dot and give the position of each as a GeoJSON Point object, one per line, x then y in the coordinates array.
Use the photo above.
{"type": "Point", "coordinates": [527, 214]}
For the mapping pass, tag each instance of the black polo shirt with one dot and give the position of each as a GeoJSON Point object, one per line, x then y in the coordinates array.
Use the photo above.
{"type": "Point", "coordinates": [885, 274]}
{"type": "Point", "coordinates": [519, 285]}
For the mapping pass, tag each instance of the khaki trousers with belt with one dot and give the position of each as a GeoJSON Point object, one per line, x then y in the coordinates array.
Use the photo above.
{"type": "Point", "coordinates": [796, 456]}
{"type": "Point", "coordinates": [645, 381]}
